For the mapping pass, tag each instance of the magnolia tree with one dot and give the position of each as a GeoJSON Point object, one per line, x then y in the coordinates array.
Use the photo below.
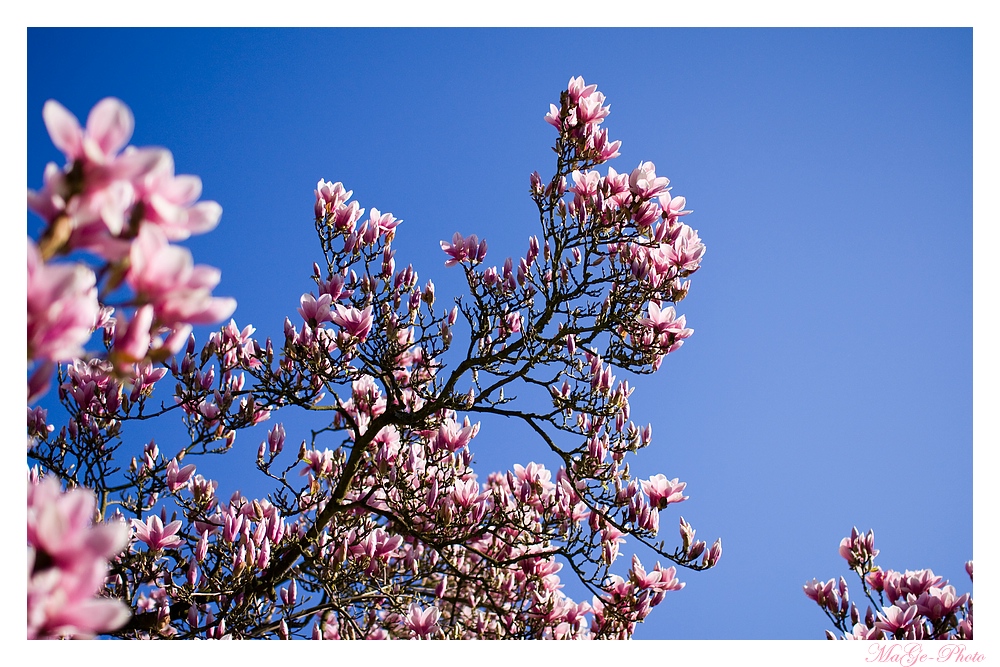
{"type": "Point", "coordinates": [377, 525]}
{"type": "Point", "coordinates": [914, 604]}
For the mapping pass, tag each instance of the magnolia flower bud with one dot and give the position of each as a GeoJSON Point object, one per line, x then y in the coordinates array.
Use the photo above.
{"type": "Point", "coordinates": [428, 295]}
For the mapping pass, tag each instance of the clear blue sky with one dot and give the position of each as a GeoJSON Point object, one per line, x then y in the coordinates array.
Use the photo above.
{"type": "Point", "coordinates": [829, 380]}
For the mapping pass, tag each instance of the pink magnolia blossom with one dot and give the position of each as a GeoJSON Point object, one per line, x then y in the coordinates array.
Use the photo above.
{"type": "Point", "coordinates": [461, 249]}
{"type": "Point", "coordinates": [553, 117]}
{"type": "Point", "coordinates": [578, 88]}
{"type": "Point", "coordinates": [169, 202]}
{"type": "Point", "coordinates": [611, 541]}
{"type": "Point", "coordinates": [862, 632]}
{"type": "Point", "coordinates": [384, 223]}
{"type": "Point", "coordinates": [451, 436]}
{"type": "Point", "coordinates": [177, 477]}
{"type": "Point", "coordinates": [132, 338]}
{"type": "Point", "coordinates": [662, 491]}
{"type": "Point", "coordinates": [912, 582]}
{"type": "Point", "coordinates": [686, 251]}
{"type": "Point", "coordinates": [673, 207]}
{"type": "Point", "coordinates": [602, 147]}
{"type": "Point", "coordinates": [165, 276]}
{"type": "Point", "coordinates": [644, 183]}
{"type": "Point", "coordinates": [936, 603]}
{"type": "Point", "coordinates": [315, 311]}
{"type": "Point", "coordinates": [67, 564]}
{"type": "Point", "coordinates": [378, 545]}
{"type": "Point", "coordinates": [60, 525]}
{"type": "Point", "coordinates": [658, 579]}
{"type": "Point", "coordinates": [663, 320]}
{"type": "Point", "coordinates": [859, 548]}
{"type": "Point", "coordinates": [109, 174]}
{"type": "Point", "coordinates": [591, 110]}
{"type": "Point", "coordinates": [894, 619]}
{"type": "Point", "coordinates": [346, 216]}
{"type": "Point", "coordinates": [330, 197]}
{"type": "Point", "coordinates": [109, 127]}
{"type": "Point", "coordinates": [356, 323]}
{"type": "Point", "coordinates": [423, 622]}
{"type": "Point", "coordinates": [714, 553]}
{"type": "Point", "coordinates": [156, 535]}
{"type": "Point", "coordinates": [586, 184]}
{"type": "Point", "coordinates": [62, 603]}
{"type": "Point", "coordinates": [318, 463]}
{"type": "Point", "coordinates": [820, 592]}
{"type": "Point", "coordinates": [62, 308]}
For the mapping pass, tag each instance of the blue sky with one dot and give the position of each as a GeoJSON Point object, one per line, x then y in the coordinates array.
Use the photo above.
{"type": "Point", "coordinates": [829, 380]}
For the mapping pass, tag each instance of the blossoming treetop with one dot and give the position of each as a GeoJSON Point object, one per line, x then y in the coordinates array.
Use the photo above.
{"type": "Point", "coordinates": [378, 525]}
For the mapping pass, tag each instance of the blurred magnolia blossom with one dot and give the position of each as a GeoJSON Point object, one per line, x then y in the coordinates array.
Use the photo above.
{"type": "Point", "coordinates": [67, 564]}
{"type": "Point", "coordinates": [124, 205]}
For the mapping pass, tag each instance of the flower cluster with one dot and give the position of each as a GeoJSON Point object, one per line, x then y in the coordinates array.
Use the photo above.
{"type": "Point", "coordinates": [912, 604]}
{"type": "Point", "coordinates": [123, 206]}
{"type": "Point", "coordinates": [68, 563]}
{"type": "Point", "coordinates": [579, 117]}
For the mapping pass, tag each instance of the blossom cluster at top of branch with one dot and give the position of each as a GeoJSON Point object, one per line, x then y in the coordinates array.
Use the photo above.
{"type": "Point", "coordinates": [915, 604]}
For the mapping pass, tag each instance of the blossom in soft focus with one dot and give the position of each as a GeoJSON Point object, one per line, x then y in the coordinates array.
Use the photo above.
{"type": "Point", "coordinates": [170, 202]}
{"type": "Point", "coordinates": [132, 338]}
{"type": "Point", "coordinates": [165, 275]}
{"type": "Point", "coordinates": [67, 564]}
{"type": "Point", "coordinates": [62, 308]}
{"type": "Point", "coordinates": [109, 127]}
{"type": "Point", "coordinates": [94, 155]}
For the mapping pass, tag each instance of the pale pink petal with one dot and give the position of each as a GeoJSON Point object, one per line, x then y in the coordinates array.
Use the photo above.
{"type": "Point", "coordinates": [110, 125]}
{"type": "Point", "coordinates": [64, 129]}
{"type": "Point", "coordinates": [203, 217]}
{"type": "Point", "coordinates": [183, 189]}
